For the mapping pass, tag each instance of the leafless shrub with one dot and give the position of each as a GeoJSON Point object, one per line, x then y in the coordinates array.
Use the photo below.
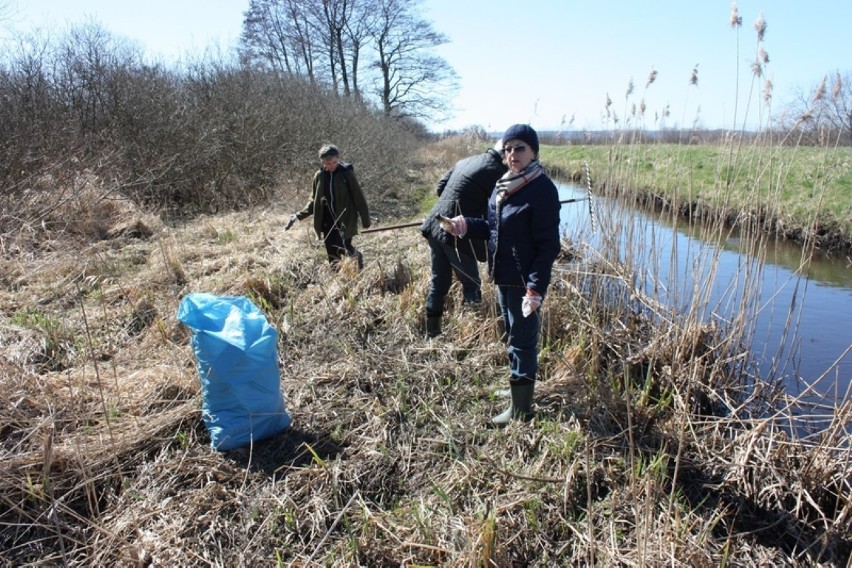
{"type": "Point", "coordinates": [211, 135]}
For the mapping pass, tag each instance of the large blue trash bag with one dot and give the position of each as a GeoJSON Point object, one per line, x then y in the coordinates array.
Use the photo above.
{"type": "Point", "coordinates": [236, 352]}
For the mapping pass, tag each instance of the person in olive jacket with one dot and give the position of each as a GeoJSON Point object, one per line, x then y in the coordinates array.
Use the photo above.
{"type": "Point", "coordinates": [336, 203]}
{"type": "Point", "coordinates": [523, 243]}
{"type": "Point", "coordinates": [463, 190]}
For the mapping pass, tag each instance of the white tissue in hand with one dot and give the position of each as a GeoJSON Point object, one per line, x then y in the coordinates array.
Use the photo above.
{"type": "Point", "coordinates": [530, 304]}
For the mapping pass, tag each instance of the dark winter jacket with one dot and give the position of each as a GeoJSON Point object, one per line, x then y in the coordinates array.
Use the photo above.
{"type": "Point", "coordinates": [347, 201]}
{"type": "Point", "coordinates": [523, 235]}
{"type": "Point", "coordinates": [464, 190]}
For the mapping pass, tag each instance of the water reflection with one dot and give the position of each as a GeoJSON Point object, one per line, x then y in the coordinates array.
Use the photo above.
{"type": "Point", "coordinates": [831, 271]}
{"type": "Point", "coordinates": [803, 307]}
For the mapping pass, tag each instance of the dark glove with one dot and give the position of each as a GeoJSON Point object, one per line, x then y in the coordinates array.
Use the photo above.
{"type": "Point", "coordinates": [290, 222]}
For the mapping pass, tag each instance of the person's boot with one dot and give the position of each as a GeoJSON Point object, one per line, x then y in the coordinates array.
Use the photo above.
{"type": "Point", "coordinates": [433, 326]}
{"type": "Point", "coordinates": [521, 406]}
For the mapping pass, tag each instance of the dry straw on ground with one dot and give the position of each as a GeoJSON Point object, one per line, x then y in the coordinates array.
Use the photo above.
{"type": "Point", "coordinates": [646, 449]}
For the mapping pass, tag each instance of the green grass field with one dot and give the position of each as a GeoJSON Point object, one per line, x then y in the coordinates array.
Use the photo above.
{"type": "Point", "coordinates": [803, 189]}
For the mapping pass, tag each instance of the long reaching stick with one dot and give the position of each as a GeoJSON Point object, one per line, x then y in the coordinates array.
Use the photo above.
{"type": "Point", "coordinates": [393, 227]}
{"type": "Point", "coordinates": [418, 223]}
{"type": "Point", "coordinates": [562, 202]}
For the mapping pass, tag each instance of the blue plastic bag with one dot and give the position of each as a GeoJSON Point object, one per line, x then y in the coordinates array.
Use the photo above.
{"type": "Point", "coordinates": [236, 351]}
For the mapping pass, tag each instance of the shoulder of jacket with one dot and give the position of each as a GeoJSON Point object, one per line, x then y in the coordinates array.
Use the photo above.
{"type": "Point", "coordinates": [494, 160]}
{"type": "Point", "coordinates": [544, 179]}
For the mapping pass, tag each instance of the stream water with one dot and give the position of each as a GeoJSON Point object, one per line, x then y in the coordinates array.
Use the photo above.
{"type": "Point", "coordinates": [802, 328]}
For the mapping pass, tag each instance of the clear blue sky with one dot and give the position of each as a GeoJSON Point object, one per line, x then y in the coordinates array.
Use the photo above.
{"type": "Point", "coordinates": [546, 62]}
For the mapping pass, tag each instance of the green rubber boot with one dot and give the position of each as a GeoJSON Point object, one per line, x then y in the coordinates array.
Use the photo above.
{"type": "Point", "coordinates": [433, 326]}
{"type": "Point", "coordinates": [521, 408]}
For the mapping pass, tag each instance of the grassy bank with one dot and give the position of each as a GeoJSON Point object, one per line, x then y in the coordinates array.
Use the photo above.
{"type": "Point", "coordinates": [649, 446]}
{"type": "Point", "coordinates": [800, 193]}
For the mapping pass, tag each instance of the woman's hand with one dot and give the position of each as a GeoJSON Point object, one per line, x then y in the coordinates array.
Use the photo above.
{"type": "Point", "coordinates": [457, 226]}
{"type": "Point", "coordinates": [531, 302]}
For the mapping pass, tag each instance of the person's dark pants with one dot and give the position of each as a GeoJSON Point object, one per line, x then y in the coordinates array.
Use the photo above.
{"type": "Point", "coordinates": [336, 247]}
{"type": "Point", "coordinates": [446, 261]}
{"type": "Point", "coordinates": [522, 333]}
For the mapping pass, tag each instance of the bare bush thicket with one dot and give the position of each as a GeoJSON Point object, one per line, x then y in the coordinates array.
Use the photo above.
{"type": "Point", "coordinates": [208, 136]}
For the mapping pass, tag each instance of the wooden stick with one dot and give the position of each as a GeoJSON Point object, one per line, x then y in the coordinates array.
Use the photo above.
{"type": "Point", "coordinates": [418, 223]}
{"type": "Point", "coordinates": [392, 227]}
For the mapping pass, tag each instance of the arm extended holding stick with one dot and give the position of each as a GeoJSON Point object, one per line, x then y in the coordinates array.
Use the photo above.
{"type": "Point", "coordinates": [418, 223]}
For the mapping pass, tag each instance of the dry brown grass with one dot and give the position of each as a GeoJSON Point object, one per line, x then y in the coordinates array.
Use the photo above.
{"type": "Point", "coordinates": [645, 449]}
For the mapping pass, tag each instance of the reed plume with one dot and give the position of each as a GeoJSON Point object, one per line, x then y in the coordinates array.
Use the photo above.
{"type": "Point", "coordinates": [767, 90]}
{"type": "Point", "coordinates": [652, 76]}
{"type": "Point", "coordinates": [736, 20]}
{"type": "Point", "coordinates": [838, 87]}
{"type": "Point", "coordinates": [760, 27]}
{"type": "Point", "coordinates": [819, 94]}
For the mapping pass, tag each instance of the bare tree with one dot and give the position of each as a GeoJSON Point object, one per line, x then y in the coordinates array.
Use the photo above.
{"type": "Point", "coordinates": [334, 14]}
{"type": "Point", "coordinates": [412, 80]}
{"type": "Point", "coordinates": [299, 37]}
{"type": "Point", "coordinates": [344, 31]}
{"type": "Point", "coordinates": [6, 17]}
{"type": "Point", "coordinates": [838, 106]}
{"type": "Point", "coordinates": [357, 30]}
{"type": "Point", "coordinates": [824, 114]}
{"type": "Point", "coordinates": [326, 40]}
{"type": "Point", "coordinates": [304, 35]}
{"type": "Point", "coordinates": [5, 9]}
{"type": "Point", "coordinates": [266, 37]}
{"type": "Point", "coordinates": [277, 35]}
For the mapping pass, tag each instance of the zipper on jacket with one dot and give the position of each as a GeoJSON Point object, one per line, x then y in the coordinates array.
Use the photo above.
{"type": "Point", "coordinates": [331, 192]}
{"type": "Point", "coordinates": [499, 220]}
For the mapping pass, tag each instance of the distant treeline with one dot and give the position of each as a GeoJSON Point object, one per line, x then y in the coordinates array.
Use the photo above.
{"type": "Point", "coordinates": [673, 136]}
{"type": "Point", "coordinates": [686, 136]}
